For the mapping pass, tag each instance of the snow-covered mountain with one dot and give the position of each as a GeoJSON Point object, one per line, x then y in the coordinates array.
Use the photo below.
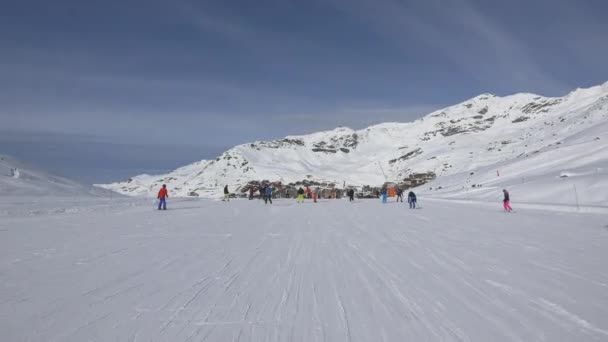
{"type": "Point", "coordinates": [462, 145]}
{"type": "Point", "coordinates": [21, 179]}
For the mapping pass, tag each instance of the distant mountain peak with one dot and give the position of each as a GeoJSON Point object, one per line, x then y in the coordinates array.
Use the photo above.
{"type": "Point", "coordinates": [479, 132]}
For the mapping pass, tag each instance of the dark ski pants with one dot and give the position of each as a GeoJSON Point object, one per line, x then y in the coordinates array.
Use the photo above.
{"type": "Point", "coordinates": [412, 204]}
{"type": "Point", "coordinates": [267, 199]}
{"type": "Point", "coordinates": [162, 202]}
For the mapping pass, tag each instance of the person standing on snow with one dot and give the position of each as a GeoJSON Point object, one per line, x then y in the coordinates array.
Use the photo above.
{"type": "Point", "coordinates": [315, 195]}
{"type": "Point", "coordinates": [411, 199]}
{"type": "Point", "coordinates": [308, 193]}
{"type": "Point", "coordinates": [226, 194]}
{"type": "Point", "coordinates": [506, 202]}
{"type": "Point", "coordinates": [399, 195]}
{"type": "Point", "coordinates": [268, 195]}
{"type": "Point", "coordinates": [351, 195]}
{"type": "Point", "coordinates": [384, 194]}
{"type": "Point", "coordinates": [300, 195]}
{"type": "Point", "coordinates": [250, 194]}
{"type": "Point", "coordinates": [163, 194]}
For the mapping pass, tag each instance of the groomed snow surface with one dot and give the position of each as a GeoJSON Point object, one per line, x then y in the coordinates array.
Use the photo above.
{"type": "Point", "coordinates": [331, 271]}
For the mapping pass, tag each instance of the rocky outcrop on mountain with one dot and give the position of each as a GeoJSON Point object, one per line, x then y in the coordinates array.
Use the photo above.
{"type": "Point", "coordinates": [406, 156]}
{"type": "Point", "coordinates": [341, 143]}
{"type": "Point", "coordinates": [276, 144]}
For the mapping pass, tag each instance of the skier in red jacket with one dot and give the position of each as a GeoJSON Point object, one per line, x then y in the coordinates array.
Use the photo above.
{"type": "Point", "coordinates": [163, 194]}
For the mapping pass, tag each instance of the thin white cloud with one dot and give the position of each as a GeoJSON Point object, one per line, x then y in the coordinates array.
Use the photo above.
{"type": "Point", "coordinates": [264, 44]}
{"type": "Point", "coordinates": [210, 22]}
{"type": "Point", "coordinates": [484, 49]}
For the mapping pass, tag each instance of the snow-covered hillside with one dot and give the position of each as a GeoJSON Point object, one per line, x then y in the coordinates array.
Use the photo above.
{"type": "Point", "coordinates": [20, 179]}
{"type": "Point", "coordinates": [572, 172]}
{"type": "Point", "coordinates": [523, 136]}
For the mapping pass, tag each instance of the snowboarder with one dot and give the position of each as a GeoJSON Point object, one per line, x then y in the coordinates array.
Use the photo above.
{"type": "Point", "coordinates": [300, 195]}
{"type": "Point", "coordinates": [411, 199]}
{"type": "Point", "coordinates": [506, 202]}
{"type": "Point", "coordinates": [351, 195]}
{"type": "Point", "coordinates": [268, 195]}
{"type": "Point", "coordinates": [399, 195]}
{"type": "Point", "coordinates": [384, 195]}
{"type": "Point", "coordinates": [226, 194]}
{"type": "Point", "coordinates": [163, 194]}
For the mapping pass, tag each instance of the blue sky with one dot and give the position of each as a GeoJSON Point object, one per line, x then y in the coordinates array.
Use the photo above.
{"type": "Point", "coordinates": [101, 90]}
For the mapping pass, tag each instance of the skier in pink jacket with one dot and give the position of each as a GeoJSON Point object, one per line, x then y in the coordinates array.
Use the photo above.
{"type": "Point", "coordinates": [506, 201]}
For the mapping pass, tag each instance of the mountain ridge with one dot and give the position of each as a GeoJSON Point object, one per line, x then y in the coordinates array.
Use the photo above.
{"type": "Point", "coordinates": [478, 132]}
{"type": "Point", "coordinates": [18, 178]}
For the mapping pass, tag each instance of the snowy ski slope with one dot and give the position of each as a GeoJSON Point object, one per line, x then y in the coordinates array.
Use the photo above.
{"type": "Point", "coordinates": [572, 173]}
{"type": "Point", "coordinates": [331, 271]}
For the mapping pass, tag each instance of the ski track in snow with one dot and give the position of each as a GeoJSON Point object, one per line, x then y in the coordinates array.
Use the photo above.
{"type": "Point", "coordinates": [331, 271]}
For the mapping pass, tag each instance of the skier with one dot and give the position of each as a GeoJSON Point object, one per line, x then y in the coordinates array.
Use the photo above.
{"type": "Point", "coordinates": [506, 202]}
{"type": "Point", "coordinates": [268, 195]}
{"type": "Point", "coordinates": [226, 194]}
{"type": "Point", "coordinates": [308, 193]}
{"type": "Point", "coordinates": [250, 194]}
{"type": "Point", "coordinates": [411, 199]}
{"type": "Point", "coordinates": [351, 195]}
{"type": "Point", "coordinates": [399, 195]}
{"type": "Point", "coordinates": [163, 194]}
{"type": "Point", "coordinates": [300, 195]}
{"type": "Point", "coordinates": [384, 195]}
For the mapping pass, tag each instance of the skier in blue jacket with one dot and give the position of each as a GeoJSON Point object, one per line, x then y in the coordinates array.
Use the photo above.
{"type": "Point", "coordinates": [411, 199]}
{"type": "Point", "coordinates": [268, 195]}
